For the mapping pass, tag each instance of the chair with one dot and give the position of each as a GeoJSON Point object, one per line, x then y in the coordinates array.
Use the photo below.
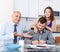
{"type": "Point", "coordinates": [57, 40]}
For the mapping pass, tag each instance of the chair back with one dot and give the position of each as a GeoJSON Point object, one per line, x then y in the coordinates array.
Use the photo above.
{"type": "Point", "coordinates": [57, 40]}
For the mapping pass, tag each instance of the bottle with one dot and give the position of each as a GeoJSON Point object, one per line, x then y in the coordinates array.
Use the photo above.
{"type": "Point", "coordinates": [21, 43]}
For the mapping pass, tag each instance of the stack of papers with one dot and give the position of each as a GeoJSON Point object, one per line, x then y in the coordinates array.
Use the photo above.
{"type": "Point", "coordinates": [45, 45]}
{"type": "Point", "coordinates": [29, 46]}
{"type": "Point", "coordinates": [41, 46]}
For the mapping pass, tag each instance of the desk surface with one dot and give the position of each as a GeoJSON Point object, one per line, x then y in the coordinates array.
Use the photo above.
{"type": "Point", "coordinates": [40, 46]}
{"type": "Point", "coordinates": [37, 47]}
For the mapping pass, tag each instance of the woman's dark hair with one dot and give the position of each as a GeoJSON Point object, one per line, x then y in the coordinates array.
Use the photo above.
{"type": "Point", "coordinates": [42, 20]}
{"type": "Point", "coordinates": [52, 13]}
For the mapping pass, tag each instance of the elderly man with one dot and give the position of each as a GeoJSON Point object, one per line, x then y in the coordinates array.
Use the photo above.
{"type": "Point", "coordinates": [12, 29]}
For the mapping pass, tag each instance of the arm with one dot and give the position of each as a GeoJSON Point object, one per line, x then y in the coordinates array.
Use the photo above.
{"type": "Point", "coordinates": [35, 22]}
{"type": "Point", "coordinates": [29, 40]}
{"type": "Point", "coordinates": [3, 34]}
{"type": "Point", "coordinates": [7, 37]}
{"type": "Point", "coordinates": [53, 26]}
{"type": "Point", "coordinates": [34, 25]}
{"type": "Point", "coordinates": [51, 39]}
{"type": "Point", "coordinates": [26, 35]}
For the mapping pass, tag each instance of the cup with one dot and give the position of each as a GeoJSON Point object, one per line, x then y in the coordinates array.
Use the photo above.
{"type": "Point", "coordinates": [21, 43]}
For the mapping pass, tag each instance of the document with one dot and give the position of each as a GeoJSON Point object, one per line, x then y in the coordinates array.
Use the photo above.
{"type": "Point", "coordinates": [45, 45]}
{"type": "Point", "coordinates": [40, 46]}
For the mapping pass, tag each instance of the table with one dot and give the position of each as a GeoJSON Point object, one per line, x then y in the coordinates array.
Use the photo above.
{"type": "Point", "coordinates": [28, 48]}
{"type": "Point", "coordinates": [32, 48]}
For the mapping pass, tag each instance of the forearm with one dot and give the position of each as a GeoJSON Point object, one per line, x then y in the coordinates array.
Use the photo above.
{"type": "Point", "coordinates": [7, 36]}
{"type": "Point", "coordinates": [27, 36]}
{"type": "Point", "coordinates": [50, 41]}
{"type": "Point", "coordinates": [49, 28]}
{"type": "Point", "coordinates": [33, 24]}
{"type": "Point", "coordinates": [16, 34]}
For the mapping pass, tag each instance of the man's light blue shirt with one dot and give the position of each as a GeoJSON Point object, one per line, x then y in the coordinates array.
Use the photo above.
{"type": "Point", "coordinates": [7, 30]}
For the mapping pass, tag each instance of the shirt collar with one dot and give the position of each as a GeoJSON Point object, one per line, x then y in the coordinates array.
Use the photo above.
{"type": "Point", "coordinates": [13, 23]}
{"type": "Point", "coordinates": [43, 31]}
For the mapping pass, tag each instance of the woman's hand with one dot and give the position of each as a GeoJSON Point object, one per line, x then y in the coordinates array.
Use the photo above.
{"type": "Point", "coordinates": [35, 29]}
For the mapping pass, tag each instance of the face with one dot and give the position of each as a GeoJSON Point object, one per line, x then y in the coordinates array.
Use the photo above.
{"type": "Point", "coordinates": [41, 26]}
{"type": "Point", "coordinates": [16, 17]}
{"type": "Point", "coordinates": [47, 13]}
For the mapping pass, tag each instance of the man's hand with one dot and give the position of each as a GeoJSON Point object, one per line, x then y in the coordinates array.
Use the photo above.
{"type": "Point", "coordinates": [42, 41]}
{"type": "Point", "coordinates": [35, 42]}
{"type": "Point", "coordinates": [23, 35]}
{"type": "Point", "coordinates": [16, 34]}
{"type": "Point", "coordinates": [27, 35]}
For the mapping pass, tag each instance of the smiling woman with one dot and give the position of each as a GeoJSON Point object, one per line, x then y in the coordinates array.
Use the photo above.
{"type": "Point", "coordinates": [49, 15]}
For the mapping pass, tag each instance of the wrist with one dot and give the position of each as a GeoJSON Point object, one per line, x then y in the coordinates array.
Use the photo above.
{"type": "Point", "coordinates": [31, 42]}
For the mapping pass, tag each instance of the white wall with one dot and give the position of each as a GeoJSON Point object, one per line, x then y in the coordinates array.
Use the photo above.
{"type": "Point", "coordinates": [56, 5]}
{"type": "Point", "coordinates": [33, 8]}
{"type": "Point", "coordinates": [6, 9]}
{"type": "Point", "coordinates": [43, 4]}
{"type": "Point", "coordinates": [21, 5]}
